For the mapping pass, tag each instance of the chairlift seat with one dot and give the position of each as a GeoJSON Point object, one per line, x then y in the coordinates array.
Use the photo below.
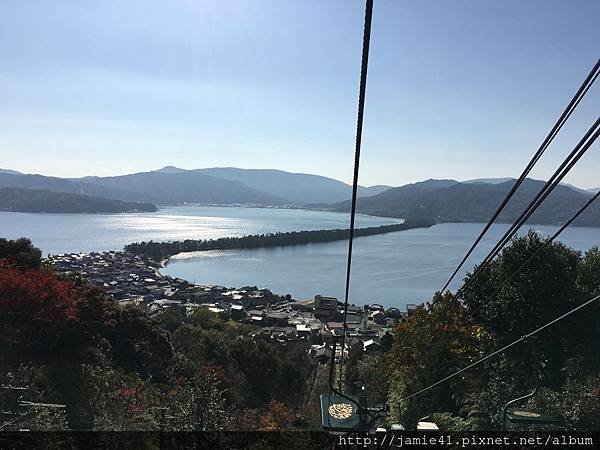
{"type": "Point", "coordinates": [427, 426]}
{"type": "Point", "coordinates": [522, 416]}
{"type": "Point", "coordinates": [341, 414]}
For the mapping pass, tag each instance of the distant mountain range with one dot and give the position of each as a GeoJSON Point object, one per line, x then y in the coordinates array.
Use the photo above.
{"type": "Point", "coordinates": [490, 180]}
{"type": "Point", "coordinates": [505, 179]}
{"type": "Point", "coordinates": [171, 185]}
{"type": "Point", "coordinates": [299, 188]}
{"type": "Point", "coordinates": [13, 172]}
{"type": "Point", "coordinates": [445, 200]}
{"type": "Point", "coordinates": [37, 200]}
{"type": "Point", "coordinates": [475, 201]}
{"type": "Point", "coordinates": [182, 187]}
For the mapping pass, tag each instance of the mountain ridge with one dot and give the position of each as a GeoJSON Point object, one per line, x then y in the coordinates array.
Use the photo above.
{"type": "Point", "coordinates": [185, 187]}
{"type": "Point", "coordinates": [10, 171]}
{"type": "Point", "coordinates": [173, 185]}
{"type": "Point", "coordinates": [295, 187]}
{"type": "Point", "coordinates": [444, 199]}
{"type": "Point", "coordinates": [14, 199]}
{"type": "Point", "coordinates": [475, 202]}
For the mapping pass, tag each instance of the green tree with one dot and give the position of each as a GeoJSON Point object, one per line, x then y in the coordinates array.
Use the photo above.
{"type": "Point", "coordinates": [119, 401]}
{"type": "Point", "coordinates": [554, 282]}
{"type": "Point", "coordinates": [205, 318]}
{"type": "Point", "coordinates": [430, 343]}
{"type": "Point", "coordinates": [197, 401]}
{"type": "Point", "coordinates": [447, 335]}
{"type": "Point", "coordinates": [21, 252]}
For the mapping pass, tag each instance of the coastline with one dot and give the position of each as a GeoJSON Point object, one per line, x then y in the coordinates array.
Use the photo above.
{"type": "Point", "coordinates": [163, 251]}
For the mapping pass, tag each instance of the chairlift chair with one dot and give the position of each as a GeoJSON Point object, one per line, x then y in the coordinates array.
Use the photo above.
{"type": "Point", "coordinates": [523, 416]}
{"type": "Point", "coordinates": [345, 413]}
{"type": "Point", "coordinates": [342, 413]}
{"type": "Point", "coordinates": [339, 411]}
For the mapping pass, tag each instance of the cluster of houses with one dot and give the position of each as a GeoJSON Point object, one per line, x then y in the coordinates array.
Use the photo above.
{"type": "Point", "coordinates": [132, 279]}
{"type": "Point", "coordinates": [124, 276]}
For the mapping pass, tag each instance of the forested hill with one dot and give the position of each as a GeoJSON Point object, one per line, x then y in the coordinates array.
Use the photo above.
{"type": "Point", "coordinates": [296, 188]}
{"type": "Point", "coordinates": [171, 186]}
{"type": "Point", "coordinates": [154, 187]}
{"type": "Point", "coordinates": [162, 250]}
{"type": "Point", "coordinates": [451, 201]}
{"type": "Point", "coordinates": [38, 200]}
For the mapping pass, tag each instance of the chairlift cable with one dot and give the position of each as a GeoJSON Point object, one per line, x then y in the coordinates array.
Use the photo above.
{"type": "Point", "coordinates": [546, 243]}
{"type": "Point", "coordinates": [359, 128]}
{"type": "Point", "coordinates": [580, 149]}
{"type": "Point", "coordinates": [506, 347]}
{"type": "Point", "coordinates": [581, 92]}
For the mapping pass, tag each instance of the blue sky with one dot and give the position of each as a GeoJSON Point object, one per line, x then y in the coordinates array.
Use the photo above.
{"type": "Point", "coordinates": [456, 89]}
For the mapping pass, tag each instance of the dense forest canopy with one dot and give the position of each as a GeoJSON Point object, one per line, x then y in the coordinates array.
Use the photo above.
{"type": "Point", "coordinates": [115, 367]}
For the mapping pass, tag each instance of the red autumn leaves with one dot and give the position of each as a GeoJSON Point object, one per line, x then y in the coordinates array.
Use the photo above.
{"type": "Point", "coordinates": [36, 296]}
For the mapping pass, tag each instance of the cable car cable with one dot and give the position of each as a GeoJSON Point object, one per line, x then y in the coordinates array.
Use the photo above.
{"type": "Point", "coordinates": [359, 126]}
{"type": "Point", "coordinates": [518, 270]}
{"type": "Point", "coordinates": [546, 243]}
{"type": "Point", "coordinates": [584, 144]}
{"type": "Point", "coordinates": [506, 347]}
{"type": "Point", "coordinates": [581, 92]}
{"type": "Point", "coordinates": [580, 149]}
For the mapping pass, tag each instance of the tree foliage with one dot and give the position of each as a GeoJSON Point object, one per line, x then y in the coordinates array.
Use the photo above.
{"type": "Point", "coordinates": [116, 368]}
{"type": "Point", "coordinates": [161, 250]}
{"type": "Point", "coordinates": [447, 334]}
{"type": "Point", "coordinates": [20, 252]}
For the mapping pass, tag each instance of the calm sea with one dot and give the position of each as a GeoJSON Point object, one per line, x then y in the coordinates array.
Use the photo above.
{"type": "Point", "coordinates": [391, 269]}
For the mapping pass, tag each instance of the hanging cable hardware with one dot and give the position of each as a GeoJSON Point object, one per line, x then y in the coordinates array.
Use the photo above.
{"type": "Point", "coordinates": [580, 149]}
{"type": "Point", "coordinates": [581, 92]}
{"type": "Point", "coordinates": [356, 413]}
{"type": "Point", "coordinates": [342, 412]}
{"type": "Point", "coordinates": [500, 350]}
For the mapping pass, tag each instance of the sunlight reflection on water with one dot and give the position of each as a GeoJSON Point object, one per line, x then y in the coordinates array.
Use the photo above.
{"type": "Point", "coordinates": [57, 233]}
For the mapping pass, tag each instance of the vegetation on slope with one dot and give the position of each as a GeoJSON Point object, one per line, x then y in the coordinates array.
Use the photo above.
{"type": "Point", "coordinates": [161, 250]}
{"type": "Point", "coordinates": [38, 201]}
{"type": "Point", "coordinates": [115, 367]}
{"type": "Point", "coordinates": [451, 201]}
{"type": "Point", "coordinates": [445, 335]}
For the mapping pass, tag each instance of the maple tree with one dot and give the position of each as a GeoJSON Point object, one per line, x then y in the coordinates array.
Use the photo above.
{"type": "Point", "coordinates": [38, 296]}
{"type": "Point", "coordinates": [278, 416]}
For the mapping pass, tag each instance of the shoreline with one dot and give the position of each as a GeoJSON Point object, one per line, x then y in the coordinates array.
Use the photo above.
{"type": "Point", "coordinates": [287, 207]}
{"type": "Point", "coordinates": [163, 251]}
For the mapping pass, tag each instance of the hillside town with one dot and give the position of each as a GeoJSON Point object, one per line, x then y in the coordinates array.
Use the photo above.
{"type": "Point", "coordinates": [133, 279]}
